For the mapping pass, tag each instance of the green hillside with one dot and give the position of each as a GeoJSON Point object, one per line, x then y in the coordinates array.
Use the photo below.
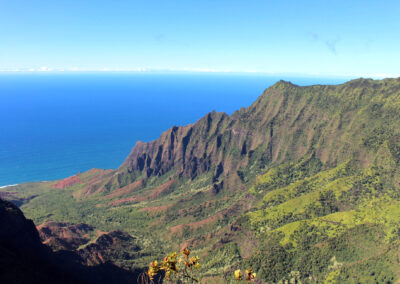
{"type": "Point", "coordinates": [303, 184]}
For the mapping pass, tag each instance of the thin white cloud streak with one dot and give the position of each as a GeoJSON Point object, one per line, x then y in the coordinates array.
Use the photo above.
{"type": "Point", "coordinates": [197, 70]}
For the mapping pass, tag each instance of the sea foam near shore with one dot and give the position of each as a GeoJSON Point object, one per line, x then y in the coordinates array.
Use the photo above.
{"type": "Point", "coordinates": [10, 185]}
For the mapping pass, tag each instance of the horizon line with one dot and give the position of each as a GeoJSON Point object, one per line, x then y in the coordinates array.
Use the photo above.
{"type": "Point", "coordinates": [193, 70]}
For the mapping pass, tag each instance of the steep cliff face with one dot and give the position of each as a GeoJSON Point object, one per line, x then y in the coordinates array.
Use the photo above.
{"type": "Point", "coordinates": [332, 121]}
{"type": "Point", "coordinates": [190, 150]}
{"type": "Point", "coordinates": [284, 124]}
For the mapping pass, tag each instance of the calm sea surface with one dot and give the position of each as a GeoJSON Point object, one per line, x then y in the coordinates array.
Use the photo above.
{"type": "Point", "coordinates": [56, 125]}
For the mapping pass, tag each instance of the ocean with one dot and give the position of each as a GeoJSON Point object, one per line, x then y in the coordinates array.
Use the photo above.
{"type": "Point", "coordinates": [54, 125]}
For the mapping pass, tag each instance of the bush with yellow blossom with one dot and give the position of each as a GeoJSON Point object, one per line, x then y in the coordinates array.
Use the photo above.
{"type": "Point", "coordinates": [175, 268]}
{"type": "Point", "coordinates": [249, 275]}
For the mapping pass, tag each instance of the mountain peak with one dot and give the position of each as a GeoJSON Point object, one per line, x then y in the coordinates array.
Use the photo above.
{"type": "Point", "coordinates": [283, 84]}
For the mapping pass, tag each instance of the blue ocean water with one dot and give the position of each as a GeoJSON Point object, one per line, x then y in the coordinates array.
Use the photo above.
{"type": "Point", "coordinates": [56, 125]}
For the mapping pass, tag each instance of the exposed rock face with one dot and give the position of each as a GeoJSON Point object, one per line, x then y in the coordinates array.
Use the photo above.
{"type": "Point", "coordinates": [284, 124]}
{"type": "Point", "coordinates": [190, 150]}
{"type": "Point", "coordinates": [217, 142]}
{"type": "Point", "coordinates": [64, 236]}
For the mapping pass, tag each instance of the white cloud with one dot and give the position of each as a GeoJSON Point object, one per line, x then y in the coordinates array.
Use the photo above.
{"type": "Point", "coordinates": [44, 69]}
{"type": "Point", "coordinates": [383, 75]}
{"type": "Point", "coordinates": [200, 70]}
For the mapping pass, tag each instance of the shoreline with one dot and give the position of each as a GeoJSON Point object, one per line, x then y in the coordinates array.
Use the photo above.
{"type": "Point", "coordinates": [3, 186]}
{"type": "Point", "coordinates": [16, 184]}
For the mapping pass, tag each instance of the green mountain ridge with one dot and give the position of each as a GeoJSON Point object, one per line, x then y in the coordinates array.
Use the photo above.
{"type": "Point", "coordinates": [303, 184]}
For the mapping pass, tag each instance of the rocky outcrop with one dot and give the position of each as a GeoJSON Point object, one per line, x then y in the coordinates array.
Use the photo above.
{"type": "Point", "coordinates": [285, 123]}
{"type": "Point", "coordinates": [64, 236]}
{"type": "Point", "coordinates": [190, 150]}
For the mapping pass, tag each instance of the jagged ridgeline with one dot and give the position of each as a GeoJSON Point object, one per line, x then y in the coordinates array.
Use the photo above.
{"type": "Point", "coordinates": [303, 184]}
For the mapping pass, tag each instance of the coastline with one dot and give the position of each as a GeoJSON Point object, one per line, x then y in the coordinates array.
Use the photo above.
{"type": "Point", "coordinates": [10, 185]}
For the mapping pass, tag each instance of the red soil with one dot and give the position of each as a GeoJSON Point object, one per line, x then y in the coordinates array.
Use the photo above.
{"type": "Point", "coordinates": [151, 195]}
{"type": "Point", "coordinates": [155, 209]}
{"type": "Point", "coordinates": [127, 200]}
{"type": "Point", "coordinates": [94, 184]}
{"type": "Point", "coordinates": [60, 235]}
{"type": "Point", "coordinates": [126, 189]}
{"type": "Point", "coordinates": [161, 189]}
{"type": "Point", "coordinates": [197, 224]}
{"type": "Point", "coordinates": [67, 182]}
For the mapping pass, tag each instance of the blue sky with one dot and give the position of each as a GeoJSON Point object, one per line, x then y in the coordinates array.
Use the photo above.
{"type": "Point", "coordinates": [337, 37]}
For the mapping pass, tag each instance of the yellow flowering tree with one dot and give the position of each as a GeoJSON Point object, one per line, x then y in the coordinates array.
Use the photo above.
{"type": "Point", "coordinates": [174, 268]}
{"type": "Point", "coordinates": [182, 268]}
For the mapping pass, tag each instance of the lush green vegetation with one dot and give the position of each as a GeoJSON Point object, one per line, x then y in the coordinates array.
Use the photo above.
{"type": "Point", "coordinates": [301, 186]}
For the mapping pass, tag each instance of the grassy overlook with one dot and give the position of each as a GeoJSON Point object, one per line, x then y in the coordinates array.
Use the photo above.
{"type": "Point", "coordinates": [302, 184]}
